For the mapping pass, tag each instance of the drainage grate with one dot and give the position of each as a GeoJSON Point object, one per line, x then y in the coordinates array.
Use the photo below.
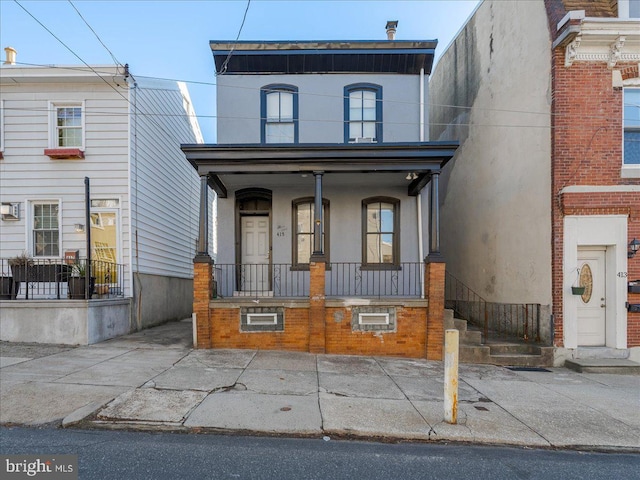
{"type": "Point", "coordinates": [528, 369]}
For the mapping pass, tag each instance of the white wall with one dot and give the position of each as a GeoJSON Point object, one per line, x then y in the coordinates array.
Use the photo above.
{"type": "Point", "coordinates": [496, 192]}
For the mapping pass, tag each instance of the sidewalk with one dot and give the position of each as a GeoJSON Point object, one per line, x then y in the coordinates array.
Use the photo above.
{"type": "Point", "coordinates": [155, 380]}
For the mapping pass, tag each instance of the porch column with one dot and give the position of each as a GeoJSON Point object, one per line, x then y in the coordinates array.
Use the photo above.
{"type": "Point", "coordinates": [434, 218]}
{"type": "Point", "coordinates": [434, 278]}
{"type": "Point", "coordinates": [317, 335]}
{"type": "Point", "coordinates": [202, 273]}
{"type": "Point", "coordinates": [317, 225]}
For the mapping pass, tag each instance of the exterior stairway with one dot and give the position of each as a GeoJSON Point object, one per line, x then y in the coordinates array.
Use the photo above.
{"type": "Point", "coordinates": [474, 350]}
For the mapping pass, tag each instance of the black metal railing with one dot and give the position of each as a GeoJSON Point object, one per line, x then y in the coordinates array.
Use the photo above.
{"type": "Point", "coordinates": [46, 279]}
{"type": "Point", "coordinates": [519, 321]}
{"type": "Point", "coordinates": [251, 280]}
{"type": "Point", "coordinates": [351, 279]}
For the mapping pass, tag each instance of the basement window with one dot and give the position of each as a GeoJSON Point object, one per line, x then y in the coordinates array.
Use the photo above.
{"type": "Point", "coordinates": [262, 319]}
{"type": "Point", "coordinates": [366, 319]}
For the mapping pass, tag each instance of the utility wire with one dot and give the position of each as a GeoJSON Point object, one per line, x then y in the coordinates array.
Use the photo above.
{"type": "Point", "coordinates": [96, 35]}
{"type": "Point", "coordinates": [223, 69]}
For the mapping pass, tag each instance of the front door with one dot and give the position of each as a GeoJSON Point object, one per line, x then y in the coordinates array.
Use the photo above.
{"type": "Point", "coordinates": [255, 258]}
{"type": "Point", "coordinates": [592, 303]}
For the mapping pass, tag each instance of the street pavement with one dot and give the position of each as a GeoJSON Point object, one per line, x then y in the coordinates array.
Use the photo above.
{"type": "Point", "coordinates": [155, 380]}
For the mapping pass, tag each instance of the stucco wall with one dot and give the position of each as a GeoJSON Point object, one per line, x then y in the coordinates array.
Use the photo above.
{"type": "Point", "coordinates": [158, 299]}
{"type": "Point", "coordinates": [495, 193]}
{"type": "Point", "coordinates": [321, 106]}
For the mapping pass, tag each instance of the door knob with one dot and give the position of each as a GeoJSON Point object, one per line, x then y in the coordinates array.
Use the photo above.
{"type": "Point", "coordinates": [602, 305]}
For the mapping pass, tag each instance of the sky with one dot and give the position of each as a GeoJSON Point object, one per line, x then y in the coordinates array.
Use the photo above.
{"type": "Point", "coordinates": [170, 39]}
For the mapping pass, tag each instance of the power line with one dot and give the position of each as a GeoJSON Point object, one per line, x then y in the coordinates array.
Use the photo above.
{"type": "Point", "coordinates": [223, 70]}
{"type": "Point", "coordinates": [96, 35]}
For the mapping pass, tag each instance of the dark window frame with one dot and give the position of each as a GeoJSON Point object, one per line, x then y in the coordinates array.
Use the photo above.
{"type": "Point", "coordinates": [295, 264]}
{"type": "Point", "coordinates": [369, 87]}
{"type": "Point", "coordinates": [395, 265]}
{"type": "Point", "coordinates": [277, 88]}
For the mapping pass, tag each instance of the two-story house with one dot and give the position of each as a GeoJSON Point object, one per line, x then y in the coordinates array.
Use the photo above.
{"type": "Point", "coordinates": [541, 203]}
{"type": "Point", "coordinates": [324, 177]}
{"type": "Point", "coordinates": [92, 178]}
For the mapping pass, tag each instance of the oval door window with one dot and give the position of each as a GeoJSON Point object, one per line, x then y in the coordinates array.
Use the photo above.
{"type": "Point", "coordinates": [586, 281]}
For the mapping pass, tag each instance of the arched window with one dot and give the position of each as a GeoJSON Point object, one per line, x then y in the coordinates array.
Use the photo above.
{"type": "Point", "coordinates": [279, 114]}
{"type": "Point", "coordinates": [380, 232]}
{"type": "Point", "coordinates": [362, 113]}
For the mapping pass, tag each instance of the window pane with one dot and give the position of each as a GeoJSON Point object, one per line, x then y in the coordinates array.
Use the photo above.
{"type": "Point", "coordinates": [373, 248]}
{"type": "Point", "coordinates": [355, 130]}
{"type": "Point", "coordinates": [304, 218]}
{"type": "Point", "coordinates": [305, 245]}
{"type": "Point", "coordinates": [279, 132]}
{"type": "Point", "coordinates": [387, 248]}
{"type": "Point", "coordinates": [355, 100]}
{"type": "Point", "coordinates": [286, 106]}
{"type": "Point", "coordinates": [273, 106]}
{"type": "Point", "coordinates": [369, 130]}
{"type": "Point", "coordinates": [632, 147]}
{"type": "Point", "coordinates": [69, 117]}
{"type": "Point", "coordinates": [634, 8]}
{"type": "Point", "coordinates": [632, 107]}
{"type": "Point", "coordinates": [386, 215]}
{"type": "Point", "coordinates": [373, 217]}
{"type": "Point", "coordinates": [355, 114]}
{"type": "Point", "coordinates": [368, 100]}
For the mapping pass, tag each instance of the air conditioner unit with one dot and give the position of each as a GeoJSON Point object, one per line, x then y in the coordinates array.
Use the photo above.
{"type": "Point", "coordinates": [10, 211]}
{"type": "Point", "coordinates": [364, 140]}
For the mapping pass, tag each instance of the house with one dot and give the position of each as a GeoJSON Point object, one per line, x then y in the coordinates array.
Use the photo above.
{"type": "Point", "coordinates": [323, 175]}
{"type": "Point", "coordinates": [541, 204]}
{"type": "Point", "coordinates": [133, 221]}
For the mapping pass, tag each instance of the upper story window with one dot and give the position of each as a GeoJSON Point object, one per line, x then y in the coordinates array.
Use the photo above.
{"type": "Point", "coordinates": [381, 232]}
{"type": "Point", "coordinates": [304, 219]}
{"type": "Point", "coordinates": [632, 126]}
{"type": "Point", "coordinates": [67, 129]}
{"type": "Point", "coordinates": [279, 114]}
{"type": "Point", "coordinates": [629, 8]}
{"type": "Point", "coordinates": [46, 229]}
{"type": "Point", "coordinates": [363, 113]}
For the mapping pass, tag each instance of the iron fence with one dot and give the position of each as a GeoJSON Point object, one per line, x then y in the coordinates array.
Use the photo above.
{"type": "Point", "coordinates": [259, 280]}
{"type": "Point", "coordinates": [497, 320]}
{"type": "Point", "coordinates": [47, 279]}
{"type": "Point", "coordinates": [351, 279]}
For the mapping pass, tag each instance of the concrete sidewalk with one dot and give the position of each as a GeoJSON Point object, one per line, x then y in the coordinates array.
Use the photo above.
{"type": "Point", "coordinates": [155, 380]}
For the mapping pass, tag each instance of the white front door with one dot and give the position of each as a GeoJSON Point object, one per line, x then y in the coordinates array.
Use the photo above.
{"type": "Point", "coordinates": [592, 303]}
{"type": "Point", "coordinates": [255, 256]}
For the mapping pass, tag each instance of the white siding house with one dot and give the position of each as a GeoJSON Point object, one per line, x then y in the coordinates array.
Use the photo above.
{"type": "Point", "coordinates": [61, 124]}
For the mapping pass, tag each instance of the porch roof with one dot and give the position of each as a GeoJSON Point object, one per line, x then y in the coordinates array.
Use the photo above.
{"type": "Point", "coordinates": [212, 160]}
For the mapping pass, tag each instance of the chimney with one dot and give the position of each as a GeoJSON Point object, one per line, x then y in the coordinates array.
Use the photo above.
{"type": "Point", "coordinates": [11, 56]}
{"type": "Point", "coordinates": [391, 29]}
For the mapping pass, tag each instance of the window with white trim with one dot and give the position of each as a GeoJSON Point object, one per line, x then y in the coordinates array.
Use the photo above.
{"type": "Point", "coordinates": [67, 126]}
{"type": "Point", "coordinates": [631, 124]}
{"type": "Point", "coordinates": [45, 228]}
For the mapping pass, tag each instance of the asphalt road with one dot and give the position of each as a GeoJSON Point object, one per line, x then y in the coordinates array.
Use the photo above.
{"type": "Point", "coordinates": [134, 455]}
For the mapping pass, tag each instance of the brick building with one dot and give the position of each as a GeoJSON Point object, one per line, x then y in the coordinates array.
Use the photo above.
{"type": "Point", "coordinates": [542, 202]}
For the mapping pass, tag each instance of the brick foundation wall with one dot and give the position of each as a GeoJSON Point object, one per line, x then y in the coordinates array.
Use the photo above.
{"type": "Point", "coordinates": [586, 139]}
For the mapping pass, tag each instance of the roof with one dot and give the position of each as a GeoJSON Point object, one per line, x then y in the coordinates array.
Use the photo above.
{"type": "Point", "coordinates": [285, 57]}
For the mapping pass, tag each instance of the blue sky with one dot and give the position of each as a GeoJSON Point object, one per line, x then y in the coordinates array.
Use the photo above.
{"type": "Point", "coordinates": [170, 39]}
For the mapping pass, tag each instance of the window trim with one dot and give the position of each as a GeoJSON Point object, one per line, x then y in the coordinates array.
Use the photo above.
{"type": "Point", "coordinates": [277, 87]}
{"type": "Point", "coordinates": [295, 265]}
{"type": "Point", "coordinates": [395, 265]}
{"type": "Point", "coordinates": [370, 87]}
{"type": "Point", "coordinates": [625, 165]}
{"type": "Point", "coordinates": [31, 226]}
{"type": "Point", "coordinates": [53, 124]}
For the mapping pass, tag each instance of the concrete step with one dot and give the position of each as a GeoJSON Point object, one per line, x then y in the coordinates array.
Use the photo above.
{"type": "Point", "coordinates": [460, 325]}
{"type": "Point", "coordinates": [470, 337]}
{"type": "Point", "coordinates": [604, 365]}
{"type": "Point", "coordinates": [474, 354]}
{"type": "Point", "coordinates": [514, 349]}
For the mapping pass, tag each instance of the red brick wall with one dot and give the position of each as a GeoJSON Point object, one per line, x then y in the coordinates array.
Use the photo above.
{"type": "Point", "coordinates": [409, 339]}
{"type": "Point", "coordinates": [587, 150]}
{"type": "Point", "coordinates": [202, 281]}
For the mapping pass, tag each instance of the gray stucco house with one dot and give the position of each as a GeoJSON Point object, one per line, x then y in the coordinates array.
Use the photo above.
{"type": "Point", "coordinates": [323, 175]}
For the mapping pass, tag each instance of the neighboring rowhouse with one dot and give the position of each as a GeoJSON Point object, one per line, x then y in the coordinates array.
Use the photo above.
{"type": "Point", "coordinates": [541, 203]}
{"type": "Point", "coordinates": [322, 173]}
{"type": "Point", "coordinates": [60, 124]}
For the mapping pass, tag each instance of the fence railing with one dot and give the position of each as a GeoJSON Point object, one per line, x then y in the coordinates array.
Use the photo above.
{"type": "Point", "coordinates": [46, 279]}
{"type": "Point", "coordinates": [353, 280]}
{"type": "Point", "coordinates": [497, 320]}
{"type": "Point", "coordinates": [341, 280]}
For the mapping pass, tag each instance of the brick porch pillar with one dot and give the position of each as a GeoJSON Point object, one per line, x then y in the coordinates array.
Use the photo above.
{"type": "Point", "coordinates": [434, 291]}
{"type": "Point", "coordinates": [202, 288]}
{"type": "Point", "coordinates": [317, 306]}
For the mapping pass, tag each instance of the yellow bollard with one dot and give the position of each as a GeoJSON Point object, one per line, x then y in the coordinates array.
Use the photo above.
{"type": "Point", "coordinates": [451, 376]}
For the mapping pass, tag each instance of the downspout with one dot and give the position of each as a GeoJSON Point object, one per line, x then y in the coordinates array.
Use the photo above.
{"type": "Point", "coordinates": [135, 268]}
{"type": "Point", "coordinates": [419, 196]}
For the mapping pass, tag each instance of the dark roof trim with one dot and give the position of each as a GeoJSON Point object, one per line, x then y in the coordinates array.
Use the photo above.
{"type": "Point", "coordinates": [320, 46]}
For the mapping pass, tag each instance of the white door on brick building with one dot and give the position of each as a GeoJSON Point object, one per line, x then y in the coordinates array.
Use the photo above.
{"type": "Point", "coordinates": [592, 303]}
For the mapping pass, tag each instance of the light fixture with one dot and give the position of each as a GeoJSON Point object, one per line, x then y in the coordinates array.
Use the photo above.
{"type": "Point", "coordinates": [10, 211]}
{"type": "Point", "coordinates": [414, 175]}
{"type": "Point", "coordinates": [79, 227]}
{"type": "Point", "coordinates": [634, 245]}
